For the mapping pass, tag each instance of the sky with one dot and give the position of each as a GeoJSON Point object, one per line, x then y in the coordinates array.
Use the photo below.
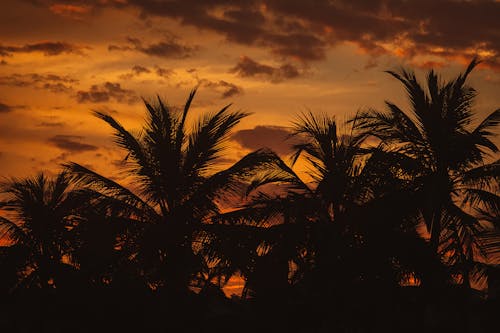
{"type": "Point", "coordinates": [61, 60]}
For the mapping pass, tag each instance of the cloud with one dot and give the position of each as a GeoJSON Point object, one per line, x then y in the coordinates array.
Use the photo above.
{"type": "Point", "coordinates": [169, 47]}
{"type": "Point", "coordinates": [4, 108]}
{"type": "Point", "coordinates": [47, 48]}
{"type": "Point", "coordinates": [247, 67]}
{"type": "Point", "coordinates": [106, 92]}
{"type": "Point", "coordinates": [301, 46]}
{"type": "Point", "coordinates": [70, 143]}
{"type": "Point", "coordinates": [163, 72]}
{"type": "Point", "coordinates": [305, 30]}
{"type": "Point", "coordinates": [225, 88]}
{"type": "Point", "coordinates": [276, 138]}
{"type": "Point", "coordinates": [240, 22]}
{"type": "Point", "coordinates": [138, 70]}
{"type": "Point", "coordinates": [70, 10]}
{"type": "Point", "coordinates": [51, 124]}
{"type": "Point", "coordinates": [135, 71]}
{"type": "Point", "coordinates": [51, 82]}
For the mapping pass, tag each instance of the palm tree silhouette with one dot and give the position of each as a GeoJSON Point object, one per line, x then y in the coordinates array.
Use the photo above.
{"type": "Point", "coordinates": [321, 221]}
{"type": "Point", "coordinates": [446, 158]}
{"type": "Point", "coordinates": [179, 188]}
{"type": "Point", "coordinates": [43, 211]}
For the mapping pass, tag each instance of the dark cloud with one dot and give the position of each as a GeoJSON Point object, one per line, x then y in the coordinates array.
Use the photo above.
{"type": "Point", "coordinates": [305, 30]}
{"type": "Point", "coordinates": [226, 89]}
{"type": "Point", "coordinates": [106, 92]}
{"type": "Point", "coordinates": [4, 108]}
{"type": "Point", "coordinates": [276, 138]}
{"type": "Point", "coordinates": [240, 22]}
{"type": "Point", "coordinates": [138, 70]}
{"type": "Point", "coordinates": [167, 49]}
{"type": "Point", "coordinates": [51, 82]}
{"type": "Point", "coordinates": [47, 48]}
{"type": "Point", "coordinates": [51, 124]}
{"type": "Point", "coordinates": [71, 143]}
{"type": "Point", "coordinates": [301, 46]}
{"type": "Point", "coordinates": [163, 72]}
{"type": "Point", "coordinates": [247, 67]}
{"type": "Point", "coordinates": [135, 71]}
{"type": "Point", "coordinates": [170, 47]}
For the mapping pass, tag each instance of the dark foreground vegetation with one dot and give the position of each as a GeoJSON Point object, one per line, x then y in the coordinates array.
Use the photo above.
{"type": "Point", "coordinates": [396, 224]}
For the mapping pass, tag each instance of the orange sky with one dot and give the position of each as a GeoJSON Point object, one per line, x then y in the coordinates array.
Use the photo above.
{"type": "Point", "coordinates": [61, 59]}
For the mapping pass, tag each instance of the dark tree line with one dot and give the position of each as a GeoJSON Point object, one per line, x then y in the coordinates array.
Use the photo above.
{"type": "Point", "coordinates": [343, 250]}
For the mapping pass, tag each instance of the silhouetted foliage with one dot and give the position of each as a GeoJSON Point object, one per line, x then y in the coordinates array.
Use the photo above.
{"type": "Point", "coordinates": [340, 248]}
{"type": "Point", "coordinates": [447, 160]}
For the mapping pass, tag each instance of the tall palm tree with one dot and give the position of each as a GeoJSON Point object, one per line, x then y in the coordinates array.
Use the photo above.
{"type": "Point", "coordinates": [179, 188]}
{"type": "Point", "coordinates": [40, 213]}
{"type": "Point", "coordinates": [447, 157]}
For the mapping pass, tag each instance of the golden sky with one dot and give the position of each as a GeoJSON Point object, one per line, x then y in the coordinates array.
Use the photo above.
{"type": "Point", "coordinates": [59, 60]}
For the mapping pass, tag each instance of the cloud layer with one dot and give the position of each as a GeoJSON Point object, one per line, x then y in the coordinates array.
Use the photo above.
{"type": "Point", "coordinates": [108, 91]}
{"type": "Point", "coordinates": [305, 30]}
{"type": "Point", "coordinates": [169, 47]}
{"type": "Point", "coordinates": [277, 138]}
{"type": "Point", "coordinates": [70, 143]}
{"type": "Point", "coordinates": [46, 48]}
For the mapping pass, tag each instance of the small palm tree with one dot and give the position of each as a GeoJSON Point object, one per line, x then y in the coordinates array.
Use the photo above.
{"type": "Point", "coordinates": [41, 211]}
{"type": "Point", "coordinates": [179, 188]}
{"type": "Point", "coordinates": [446, 158]}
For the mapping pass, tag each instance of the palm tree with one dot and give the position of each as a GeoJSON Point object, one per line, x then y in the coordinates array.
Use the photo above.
{"type": "Point", "coordinates": [446, 158]}
{"type": "Point", "coordinates": [325, 227]}
{"type": "Point", "coordinates": [179, 188]}
{"type": "Point", "coordinates": [97, 249]}
{"type": "Point", "coordinates": [40, 211]}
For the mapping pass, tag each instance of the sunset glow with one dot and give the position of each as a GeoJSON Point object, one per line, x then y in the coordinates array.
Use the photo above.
{"type": "Point", "coordinates": [249, 166]}
{"type": "Point", "coordinates": [62, 59]}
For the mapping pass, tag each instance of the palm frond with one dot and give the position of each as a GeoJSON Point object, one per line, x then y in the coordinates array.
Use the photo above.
{"type": "Point", "coordinates": [233, 180]}
{"type": "Point", "coordinates": [10, 231]}
{"type": "Point", "coordinates": [131, 144]}
{"type": "Point", "coordinates": [483, 175]}
{"type": "Point", "coordinates": [180, 134]}
{"type": "Point", "coordinates": [490, 243]}
{"type": "Point", "coordinates": [482, 198]}
{"type": "Point", "coordinates": [106, 186]}
{"type": "Point", "coordinates": [484, 131]}
{"type": "Point", "coordinates": [208, 139]}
